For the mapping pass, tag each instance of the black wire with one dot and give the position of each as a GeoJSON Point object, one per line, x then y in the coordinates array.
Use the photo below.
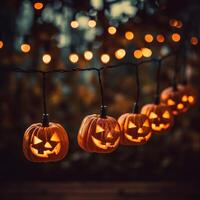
{"type": "Point", "coordinates": [157, 97]}
{"type": "Point", "coordinates": [136, 105]}
{"type": "Point", "coordinates": [174, 80]}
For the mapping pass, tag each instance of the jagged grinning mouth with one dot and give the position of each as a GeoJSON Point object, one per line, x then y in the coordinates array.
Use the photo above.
{"type": "Point", "coordinates": [159, 127]}
{"type": "Point", "coordinates": [139, 139]}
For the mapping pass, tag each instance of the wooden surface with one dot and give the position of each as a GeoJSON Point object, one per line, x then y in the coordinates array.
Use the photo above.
{"type": "Point", "coordinates": [99, 191]}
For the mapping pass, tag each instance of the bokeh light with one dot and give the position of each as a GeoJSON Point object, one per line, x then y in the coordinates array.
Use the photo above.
{"type": "Point", "coordinates": [74, 24]}
{"type": "Point", "coordinates": [137, 54]}
{"type": "Point", "coordinates": [88, 55]}
{"type": "Point", "coordinates": [73, 58]}
{"type": "Point", "coordinates": [112, 30]}
{"type": "Point", "coordinates": [105, 58]}
{"type": "Point", "coordinates": [46, 58]}
{"type": "Point", "coordinates": [176, 37]}
{"type": "Point", "coordinates": [129, 35]}
{"type": "Point", "coordinates": [92, 23]}
{"type": "Point", "coordinates": [120, 54]}
{"type": "Point", "coordinates": [1, 44]}
{"type": "Point", "coordinates": [160, 38]}
{"type": "Point", "coordinates": [25, 48]}
{"type": "Point", "coordinates": [194, 40]}
{"type": "Point", "coordinates": [146, 52]}
{"type": "Point", "coordinates": [148, 38]}
{"type": "Point", "coordinates": [38, 5]}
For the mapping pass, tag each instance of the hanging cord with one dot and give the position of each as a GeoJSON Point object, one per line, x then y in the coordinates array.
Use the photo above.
{"type": "Point", "coordinates": [174, 79]}
{"type": "Point", "coordinates": [136, 104]}
{"type": "Point", "coordinates": [157, 96]}
{"type": "Point", "coordinates": [184, 65]}
{"type": "Point", "coordinates": [103, 107]}
{"type": "Point", "coordinates": [45, 120]}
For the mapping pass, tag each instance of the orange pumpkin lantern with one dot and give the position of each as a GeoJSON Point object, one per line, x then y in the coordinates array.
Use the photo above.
{"type": "Point", "coordinates": [160, 117]}
{"type": "Point", "coordinates": [45, 143]}
{"type": "Point", "coordinates": [99, 134]}
{"type": "Point", "coordinates": [179, 99]}
{"type": "Point", "coordinates": [136, 128]}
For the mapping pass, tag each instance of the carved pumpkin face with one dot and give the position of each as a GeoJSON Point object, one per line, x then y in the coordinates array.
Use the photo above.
{"type": "Point", "coordinates": [178, 100]}
{"type": "Point", "coordinates": [100, 135]}
{"type": "Point", "coordinates": [160, 116]}
{"type": "Point", "coordinates": [45, 144]}
{"type": "Point", "coordinates": [136, 129]}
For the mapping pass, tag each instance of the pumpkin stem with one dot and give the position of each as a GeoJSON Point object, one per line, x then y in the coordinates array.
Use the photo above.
{"type": "Point", "coordinates": [45, 120]}
{"type": "Point", "coordinates": [103, 112]}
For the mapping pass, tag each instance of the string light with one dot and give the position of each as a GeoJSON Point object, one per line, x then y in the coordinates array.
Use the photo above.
{"type": "Point", "coordinates": [176, 37]}
{"type": "Point", "coordinates": [88, 55]}
{"type": "Point", "coordinates": [175, 23]}
{"type": "Point", "coordinates": [137, 54]}
{"type": "Point", "coordinates": [46, 58]}
{"type": "Point", "coordinates": [92, 23]}
{"type": "Point", "coordinates": [38, 5]}
{"type": "Point", "coordinates": [73, 58]}
{"type": "Point", "coordinates": [148, 38]}
{"type": "Point", "coordinates": [74, 24]}
{"type": "Point", "coordinates": [120, 53]}
{"type": "Point", "coordinates": [105, 58]}
{"type": "Point", "coordinates": [146, 52]}
{"type": "Point", "coordinates": [25, 48]}
{"type": "Point", "coordinates": [129, 35]}
{"type": "Point", "coordinates": [194, 40]}
{"type": "Point", "coordinates": [112, 30]}
{"type": "Point", "coordinates": [1, 44]}
{"type": "Point", "coordinates": [160, 38]}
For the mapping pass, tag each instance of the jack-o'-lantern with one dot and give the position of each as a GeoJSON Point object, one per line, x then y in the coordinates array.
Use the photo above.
{"type": "Point", "coordinates": [179, 99]}
{"type": "Point", "coordinates": [160, 116]}
{"type": "Point", "coordinates": [99, 134]}
{"type": "Point", "coordinates": [136, 128]}
{"type": "Point", "coordinates": [45, 143]}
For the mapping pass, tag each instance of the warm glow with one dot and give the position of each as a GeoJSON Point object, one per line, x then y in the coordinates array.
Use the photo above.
{"type": "Point", "coordinates": [92, 23]}
{"type": "Point", "coordinates": [194, 40]}
{"type": "Point", "coordinates": [55, 138]}
{"type": "Point", "coordinates": [191, 99]}
{"type": "Point", "coordinates": [176, 37]}
{"type": "Point", "coordinates": [166, 115]}
{"type": "Point", "coordinates": [173, 22]}
{"type": "Point", "coordinates": [99, 129]}
{"type": "Point", "coordinates": [148, 38]}
{"type": "Point", "coordinates": [129, 35]}
{"type": "Point", "coordinates": [73, 57]}
{"type": "Point", "coordinates": [180, 106]}
{"type": "Point", "coordinates": [1, 44]}
{"type": "Point", "coordinates": [38, 5]}
{"type": "Point", "coordinates": [105, 58]}
{"type": "Point", "coordinates": [146, 52]}
{"type": "Point", "coordinates": [131, 125]}
{"type": "Point", "coordinates": [112, 30]}
{"type": "Point", "coordinates": [170, 102]}
{"type": "Point", "coordinates": [140, 130]}
{"type": "Point", "coordinates": [137, 54]}
{"type": "Point", "coordinates": [146, 123]}
{"type": "Point", "coordinates": [88, 55]}
{"type": "Point", "coordinates": [74, 24]}
{"type": "Point", "coordinates": [160, 38]}
{"type": "Point", "coordinates": [25, 48]}
{"type": "Point", "coordinates": [120, 53]}
{"type": "Point", "coordinates": [153, 115]}
{"type": "Point", "coordinates": [46, 58]}
{"type": "Point", "coordinates": [184, 98]}
{"type": "Point", "coordinates": [180, 24]}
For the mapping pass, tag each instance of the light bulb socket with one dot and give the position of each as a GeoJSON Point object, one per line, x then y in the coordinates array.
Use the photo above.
{"type": "Point", "coordinates": [45, 120]}
{"type": "Point", "coordinates": [103, 112]}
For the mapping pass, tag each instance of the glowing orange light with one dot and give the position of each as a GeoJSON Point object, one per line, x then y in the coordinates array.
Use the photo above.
{"type": "Point", "coordinates": [180, 24]}
{"type": "Point", "coordinates": [25, 48]}
{"type": "Point", "coordinates": [194, 40]}
{"type": "Point", "coordinates": [129, 35]}
{"type": "Point", "coordinates": [38, 5]}
{"type": "Point", "coordinates": [92, 23]}
{"type": "Point", "coordinates": [146, 52]}
{"type": "Point", "coordinates": [73, 57]}
{"type": "Point", "coordinates": [105, 58]}
{"type": "Point", "coordinates": [46, 58]}
{"type": "Point", "coordinates": [176, 37]}
{"type": "Point", "coordinates": [148, 38]}
{"type": "Point", "coordinates": [74, 24]}
{"type": "Point", "coordinates": [160, 38]}
{"type": "Point", "coordinates": [88, 55]}
{"type": "Point", "coordinates": [112, 30]}
{"type": "Point", "coordinates": [1, 44]}
{"type": "Point", "coordinates": [137, 54]}
{"type": "Point", "coordinates": [173, 22]}
{"type": "Point", "coordinates": [120, 53]}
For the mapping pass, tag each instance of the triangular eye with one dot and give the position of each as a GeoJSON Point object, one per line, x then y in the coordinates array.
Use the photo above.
{"type": "Point", "coordinates": [99, 129]}
{"type": "Point", "coordinates": [146, 123]}
{"type": "Point", "coordinates": [55, 138]}
{"type": "Point", "coordinates": [184, 98]}
{"type": "Point", "coordinates": [131, 125]}
{"type": "Point", "coordinates": [166, 115]}
{"type": "Point", "coordinates": [117, 128]}
{"type": "Point", "coordinates": [153, 115]}
{"type": "Point", "coordinates": [170, 102]}
{"type": "Point", "coordinates": [36, 140]}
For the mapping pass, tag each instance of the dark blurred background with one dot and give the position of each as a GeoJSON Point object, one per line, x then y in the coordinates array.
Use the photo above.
{"type": "Point", "coordinates": [172, 156]}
